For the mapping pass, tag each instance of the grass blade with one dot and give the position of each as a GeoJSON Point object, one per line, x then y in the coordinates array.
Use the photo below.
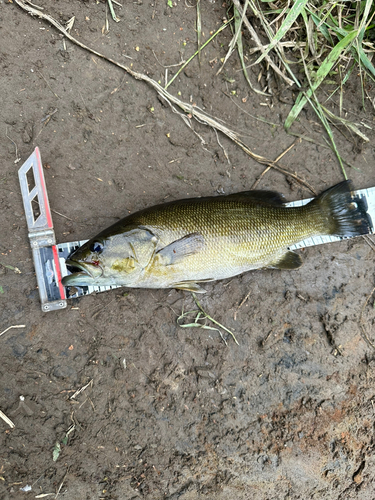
{"type": "Point", "coordinates": [238, 20]}
{"type": "Point", "coordinates": [199, 28]}
{"type": "Point", "coordinates": [322, 72]}
{"type": "Point", "coordinates": [320, 113]}
{"type": "Point", "coordinates": [294, 12]}
{"type": "Point", "coordinates": [113, 13]}
{"type": "Point", "coordinates": [324, 120]}
{"type": "Point", "coordinates": [350, 125]}
{"type": "Point", "coordinates": [213, 320]}
{"type": "Point", "coordinates": [309, 32]}
{"type": "Point", "coordinates": [223, 26]}
{"type": "Point", "coordinates": [364, 22]}
{"type": "Point", "coordinates": [201, 315]}
{"type": "Point", "coordinates": [11, 268]}
{"type": "Point", "coordinates": [359, 56]}
{"type": "Point", "coordinates": [238, 26]}
{"type": "Point", "coordinates": [259, 44]}
{"type": "Point", "coordinates": [321, 26]}
{"type": "Point", "coordinates": [363, 59]}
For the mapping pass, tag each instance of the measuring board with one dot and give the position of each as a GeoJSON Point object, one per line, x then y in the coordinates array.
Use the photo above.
{"type": "Point", "coordinates": [49, 257]}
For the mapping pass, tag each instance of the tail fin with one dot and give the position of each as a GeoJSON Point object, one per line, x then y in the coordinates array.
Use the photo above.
{"type": "Point", "coordinates": [345, 214]}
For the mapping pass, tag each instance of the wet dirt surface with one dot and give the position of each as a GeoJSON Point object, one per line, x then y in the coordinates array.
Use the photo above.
{"type": "Point", "coordinates": [167, 412]}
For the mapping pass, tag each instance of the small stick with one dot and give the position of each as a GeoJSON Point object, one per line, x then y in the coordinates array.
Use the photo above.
{"type": "Point", "coordinates": [116, 89]}
{"type": "Point", "coordinates": [369, 241]}
{"type": "Point", "coordinates": [263, 342]}
{"type": "Point", "coordinates": [48, 116]}
{"type": "Point", "coordinates": [286, 151]}
{"type": "Point", "coordinates": [61, 484]}
{"type": "Point", "coordinates": [33, 5]}
{"type": "Point", "coordinates": [61, 215]}
{"type": "Point", "coordinates": [48, 85]}
{"type": "Point", "coordinates": [15, 145]}
{"type": "Point", "coordinates": [260, 177]}
{"type": "Point", "coordinates": [153, 13]}
{"type": "Point", "coordinates": [222, 147]}
{"type": "Point", "coordinates": [81, 389]}
{"type": "Point", "coordinates": [239, 307]}
{"type": "Point", "coordinates": [7, 420]}
{"type": "Point", "coordinates": [170, 65]}
{"type": "Point", "coordinates": [272, 166]}
{"type": "Point", "coordinates": [45, 120]}
{"type": "Point", "coordinates": [10, 327]}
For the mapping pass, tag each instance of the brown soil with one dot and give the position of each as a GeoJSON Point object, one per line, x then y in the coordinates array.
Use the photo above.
{"type": "Point", "coordinates": [288, 413]}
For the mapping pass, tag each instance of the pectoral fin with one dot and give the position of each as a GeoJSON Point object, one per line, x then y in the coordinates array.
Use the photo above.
{"type": "Point", "coordinates": [177, 250]}
{"type": "Point", "coordinates": [290, 260]}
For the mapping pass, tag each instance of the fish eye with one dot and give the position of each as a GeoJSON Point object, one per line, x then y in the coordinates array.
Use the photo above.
{"type": "Point", "coordinates": [96, 247]}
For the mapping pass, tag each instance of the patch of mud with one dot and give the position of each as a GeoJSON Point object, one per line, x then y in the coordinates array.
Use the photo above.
{"type": "Point", "coordinates": [166, 412]}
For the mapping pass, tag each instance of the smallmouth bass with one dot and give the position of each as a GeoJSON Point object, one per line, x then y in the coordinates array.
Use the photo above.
{"type": "Point", "coordinates": [183, 243]}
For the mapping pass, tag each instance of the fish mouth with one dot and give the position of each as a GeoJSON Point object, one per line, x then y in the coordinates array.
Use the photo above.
{"type": "Point", "coordinates": [82, 273]}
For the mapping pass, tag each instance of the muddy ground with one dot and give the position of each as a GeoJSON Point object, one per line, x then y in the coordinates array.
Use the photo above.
{"type": "Point", "coordinates": [172, 413]}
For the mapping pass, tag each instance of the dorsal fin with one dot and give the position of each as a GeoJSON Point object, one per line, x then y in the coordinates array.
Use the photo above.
{"type": "Point", "coordinates": [261, 197]}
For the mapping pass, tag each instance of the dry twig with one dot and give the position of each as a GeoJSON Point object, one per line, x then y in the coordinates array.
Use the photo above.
{"type": "Point", "coordinates": [7, 420]}
{"type": "Point", "coordinates": [10, 327]}
{"type": "Point", "coordinates": [78, 391]}
{"type": "Point", "coordinates": [241, 304]}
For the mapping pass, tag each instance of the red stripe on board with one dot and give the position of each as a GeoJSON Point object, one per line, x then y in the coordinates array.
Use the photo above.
{"type": "Point", "coordinates": [58, 271]}
{"type": "Point", "coordinates": [45, 197]}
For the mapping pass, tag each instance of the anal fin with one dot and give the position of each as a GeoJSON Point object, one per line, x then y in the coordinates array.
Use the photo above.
{"type": "Point", "coordinates": [290, 260]}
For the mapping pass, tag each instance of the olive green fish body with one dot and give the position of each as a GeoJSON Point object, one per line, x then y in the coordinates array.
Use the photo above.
{"type": "Point", "coordinates": [217, 238]}
{"type": "Point", "coordinates": [182, 243]}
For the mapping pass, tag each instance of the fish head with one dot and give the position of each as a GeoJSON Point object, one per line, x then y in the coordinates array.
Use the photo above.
{"type": "Point", "coordinates": [112, 259]}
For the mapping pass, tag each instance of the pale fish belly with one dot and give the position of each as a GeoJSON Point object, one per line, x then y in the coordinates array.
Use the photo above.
{"type": "Point", "coordinates": [219, 260]}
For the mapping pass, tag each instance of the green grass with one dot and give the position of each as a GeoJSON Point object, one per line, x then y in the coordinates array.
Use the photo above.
{"type": "Point", "coordinates": [329, 39]}
{"type": "Point", "coordinates": [223, 26]}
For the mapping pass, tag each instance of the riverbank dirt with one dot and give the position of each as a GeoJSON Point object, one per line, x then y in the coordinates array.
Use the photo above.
{"type": "Point", "coordinates": [167, 412]}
